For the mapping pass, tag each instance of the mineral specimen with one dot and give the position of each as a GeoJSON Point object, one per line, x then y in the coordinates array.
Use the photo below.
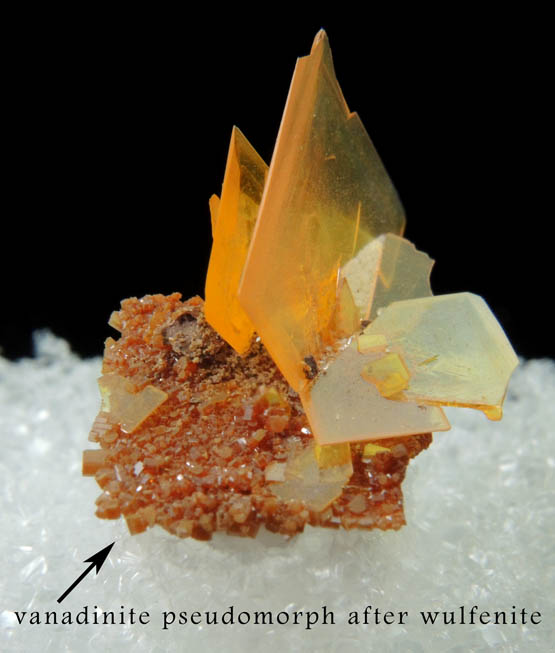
{"type": "Point", "coordinates": [316, 368]}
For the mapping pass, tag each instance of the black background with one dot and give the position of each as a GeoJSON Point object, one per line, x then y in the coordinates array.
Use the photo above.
{"type": "Point", "coordinates": [119, 126]}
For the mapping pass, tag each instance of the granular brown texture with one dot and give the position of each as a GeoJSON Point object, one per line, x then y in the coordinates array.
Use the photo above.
{"type": "Point", "coordinates": [197, 464]}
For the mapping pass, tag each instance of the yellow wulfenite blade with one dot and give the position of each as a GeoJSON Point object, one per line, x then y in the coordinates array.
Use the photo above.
{"type": "Point", "coordinates": [332, 455]}
{"type": "Point", "coordinates": [455, 350]}
{"type": "Point", "coordinates": [125, 407]}
{"type": "Point", "coordinates": [367, 344]}
{"type": "Point", "coordinates": [386, 270]}
{"type": "Point", "coordinates": [370, 450]}
{"type": "Point", "coordinates": [233, 219]}
{"type": "Point", "coordinates": [342, 406]}
{"type": "Point", "coordinates": [346, 316]}
{"type": "Point", "coordinates": [317, 486]}
{"type": "Point", "coordinates": [389, 374]}
{"type": "Point", "coordinates": [327, 196]}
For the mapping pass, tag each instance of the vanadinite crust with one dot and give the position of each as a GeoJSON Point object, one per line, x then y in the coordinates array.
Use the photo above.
{"type": "Point", "coordinates": [213, 455]}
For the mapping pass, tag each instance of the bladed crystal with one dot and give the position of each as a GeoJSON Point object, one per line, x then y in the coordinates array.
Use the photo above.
{"type": "Point", "coordinates": [327, 195]}
{"type": "Point", "coordinates": [456, 352]}
{"type": "Point", "coordinates": [233, 219]}
{"type": "Point", "coordinates": [387, 269]}
{"type": "Point", "coordinates": [344, 407]}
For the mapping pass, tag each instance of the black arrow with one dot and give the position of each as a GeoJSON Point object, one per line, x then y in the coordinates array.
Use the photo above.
{"type": "Point", "coordinates": [97, 560]}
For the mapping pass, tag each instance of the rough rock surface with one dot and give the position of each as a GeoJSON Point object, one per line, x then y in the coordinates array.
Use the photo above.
{"type": "Point", "coordinates": [202, 461]}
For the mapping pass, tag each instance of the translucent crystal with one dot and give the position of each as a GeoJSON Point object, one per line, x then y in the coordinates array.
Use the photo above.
{"type": "Point", "coordinates": [456, 352]}
{"type": "Point", "coordinates": [367, 343]}
{"type": "Point", "coordinates": [389, 268]}
{"type": "Point", "coordinates": [343, 407]}
{"type": "Point", "coordinates": [388, 373]}
{"type": "Point", "coordinates": [306, 481]}
{"type": "Point", "coordinates": [126, 407]}
{"type": "Point", "coordinates": [370, 450]}
{"type": "Point", "coordinates": [93, 460]}
{"type": "Point", "coordinates": [214, 205]}
{"type": "Point", "coordinates": [332, 455]}
{"type": "Point", "coordinates": [327, 195]}
{"type": "Point", "coordinates": [233, 219]}
{"type": "Point", "coordinates": [346, 316]}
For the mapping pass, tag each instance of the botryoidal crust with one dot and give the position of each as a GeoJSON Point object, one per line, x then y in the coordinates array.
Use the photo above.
{"type": "Point", "coordinates": [197, 439]}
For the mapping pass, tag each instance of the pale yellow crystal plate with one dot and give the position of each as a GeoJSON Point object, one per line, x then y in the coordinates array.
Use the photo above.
{"type": "Point", "coordinates": [344, 407]}
{"type": "Point", "coordinates": [456, 351]}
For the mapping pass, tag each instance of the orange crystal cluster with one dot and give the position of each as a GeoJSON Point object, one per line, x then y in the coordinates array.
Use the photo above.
{"type": "Point", "coordinates": [320, 360]}
{"type": "Point", "coordinates": [324, 267]}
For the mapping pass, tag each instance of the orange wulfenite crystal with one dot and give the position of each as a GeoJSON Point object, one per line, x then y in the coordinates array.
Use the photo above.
{"type": "Point", "coordinates": [327, 196]}
{"type": "Point", "coordinates": [233, 219]}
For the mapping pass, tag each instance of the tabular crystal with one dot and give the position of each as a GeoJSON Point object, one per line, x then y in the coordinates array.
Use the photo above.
{"type": "Point", "coordinates": [327, 195]}
{"type": "Point", "coordinates": [126, 407]}
{"type": "Point", "coordinates": [387, 269]}
{"type": "Point", "coordinates": [233, 219]}
{"type": "Point", "coordinates": [343, 407]}
{"type": "Point", "coordinates": [455, 350]}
